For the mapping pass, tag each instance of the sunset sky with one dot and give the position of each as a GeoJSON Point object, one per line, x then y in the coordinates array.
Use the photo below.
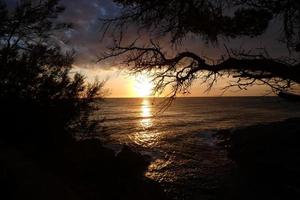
{"type": "Point", "coordinates": [121, 84]}
{"type": "Point", "coordinates": [85, 38]}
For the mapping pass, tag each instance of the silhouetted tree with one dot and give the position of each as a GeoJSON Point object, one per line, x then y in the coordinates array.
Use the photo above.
{"type": "Point", "coordinates": [210, 20]}
{"type": "Point", "coordinates": [40, 97]}
{"type": "Point", "coordinates": [43, 106]}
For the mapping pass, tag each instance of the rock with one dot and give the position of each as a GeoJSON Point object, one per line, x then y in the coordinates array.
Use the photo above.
{"type": "Point", "coordinates": [267, 158]}
{"type": "Point", "coordinates": [131, 163]}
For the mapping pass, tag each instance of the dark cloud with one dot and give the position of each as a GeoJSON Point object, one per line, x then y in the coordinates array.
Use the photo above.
{"type": "Point", "coordinates": [85, 36]}
{"type": "Point", "coordinates": [84, 15]}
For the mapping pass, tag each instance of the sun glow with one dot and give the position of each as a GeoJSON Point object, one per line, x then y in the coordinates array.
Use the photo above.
{"type": "Point", "coordinates": [143, 86]}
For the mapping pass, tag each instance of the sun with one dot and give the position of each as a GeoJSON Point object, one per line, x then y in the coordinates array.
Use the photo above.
{"type": "Point", "coordinates": [143, 86]}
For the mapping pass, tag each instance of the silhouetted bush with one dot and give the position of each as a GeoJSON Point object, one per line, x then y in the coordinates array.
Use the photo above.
{"type": "Point", "coordinates": [40, 100]}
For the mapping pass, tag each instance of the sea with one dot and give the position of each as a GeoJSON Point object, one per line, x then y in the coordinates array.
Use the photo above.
{"type": "Point", "coordinates": [179, 138]}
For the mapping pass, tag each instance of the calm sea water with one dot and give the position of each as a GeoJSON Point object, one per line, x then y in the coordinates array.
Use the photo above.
{"type": "Point", "coordinates": [185, 157]}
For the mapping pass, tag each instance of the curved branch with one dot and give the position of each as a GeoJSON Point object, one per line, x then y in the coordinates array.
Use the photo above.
{"type": "Point", "coordinates": [181, 70]}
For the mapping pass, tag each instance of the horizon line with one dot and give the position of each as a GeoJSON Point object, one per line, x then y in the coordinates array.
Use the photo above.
{"type": "Point", "coordinates": [241, 96]}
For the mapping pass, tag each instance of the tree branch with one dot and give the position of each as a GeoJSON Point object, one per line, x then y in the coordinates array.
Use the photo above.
{"type": "Point", "coordinates": [181, 70]}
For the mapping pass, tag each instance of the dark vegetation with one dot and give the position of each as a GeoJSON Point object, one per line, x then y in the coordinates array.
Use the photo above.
{"type": "Point", "coordinates": [213, 22]}
{"type": "Point", "coordinates": [44, 108]}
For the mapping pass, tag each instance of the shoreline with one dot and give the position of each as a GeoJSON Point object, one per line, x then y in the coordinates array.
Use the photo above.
{"type": "Point", "coordinates": [233, 133]}
{"type": "Point", "coordinates": [89, 170]}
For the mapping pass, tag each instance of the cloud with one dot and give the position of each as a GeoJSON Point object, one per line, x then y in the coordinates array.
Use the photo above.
{"type": "Point", "coordinates": [84, 38]}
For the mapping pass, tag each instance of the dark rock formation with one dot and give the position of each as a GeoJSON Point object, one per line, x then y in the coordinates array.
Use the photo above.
{"type": "Point", "coordinates": [267, 159]}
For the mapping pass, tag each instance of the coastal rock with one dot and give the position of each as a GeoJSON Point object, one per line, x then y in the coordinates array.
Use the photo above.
{"type": "Point", "coordinates": [267, 158]}
{"type": "Point", "coordinates": [85, 170]}
{"type": "Point", "coordinates": [131, 163]}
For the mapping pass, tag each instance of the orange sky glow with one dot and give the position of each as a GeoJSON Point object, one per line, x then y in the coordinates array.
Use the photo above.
{"type": "Point", "coordinates": [122, 85]}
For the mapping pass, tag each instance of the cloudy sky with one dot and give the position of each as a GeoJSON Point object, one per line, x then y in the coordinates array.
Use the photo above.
{"type": "Point", "coordinates": [85, 38]}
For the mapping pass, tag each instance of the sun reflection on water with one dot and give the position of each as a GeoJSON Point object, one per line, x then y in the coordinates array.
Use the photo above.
{"type": "Point", "coordinates": [147, 136]}
{"type": "Point", "coordinates": [146, 114]}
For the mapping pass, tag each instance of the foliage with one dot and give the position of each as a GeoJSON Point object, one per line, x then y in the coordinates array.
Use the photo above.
{"type": "Point", "coordinates": [210, 20]}
{"type": "Point", "coordinates": [37, 88]}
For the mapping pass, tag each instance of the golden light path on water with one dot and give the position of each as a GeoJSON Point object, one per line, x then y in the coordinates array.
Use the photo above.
{"type": "Point", "coordinates": [146, 114]}
{"type": "Point", "coordinates": [148, 136]}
